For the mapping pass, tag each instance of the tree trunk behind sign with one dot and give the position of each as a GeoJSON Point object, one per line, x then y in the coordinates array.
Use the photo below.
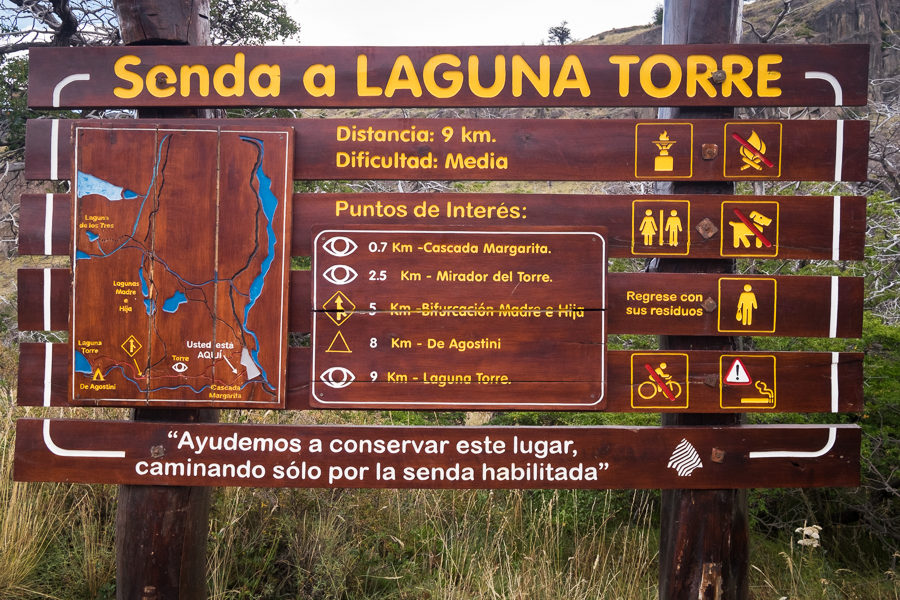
{"type": "Point", "coordinates": [161, 531]}
{"type": "Point", "coordinates": [703, 533]}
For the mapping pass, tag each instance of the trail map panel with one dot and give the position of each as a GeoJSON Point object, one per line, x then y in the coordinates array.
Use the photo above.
{"type": "Point", "coordinates": [181, 257]}
{"type": "Point", "coordinates": [488, 318]}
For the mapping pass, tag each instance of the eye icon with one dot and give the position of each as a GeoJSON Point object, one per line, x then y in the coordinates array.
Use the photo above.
{"type": "Point", "coordinates": [339, 274]}
{"type": "Point", "coordinates": [179, 367]}
{"type": "Point", "coordinates": [339, 246]}
{"type": "Point", "coordinates": [338, 377]}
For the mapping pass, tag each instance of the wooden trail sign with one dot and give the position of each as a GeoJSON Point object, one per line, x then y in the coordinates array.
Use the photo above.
{"type": "Point", "coordinates": [669, 303]}
{"type": "Point", "coordinates": [699, 382]}
{"type": "Point", "coordinates": [180, 265]}
{"type": "Point", "coordinates": [436, 457]}
{"type": "Point", "coordinates": [754, 75]}
{"type": "Point", "coordinates": [706, 226]}
{"type": "Point", "coordinates": [531, 302]}
{"type": "Point", "coordinates": [531, 149]}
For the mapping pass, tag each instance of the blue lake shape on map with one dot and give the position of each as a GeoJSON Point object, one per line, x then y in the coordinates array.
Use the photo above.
{"type": "Point", "coordinates": [89, 184]}
{"type": "Point", "coordinates": [174, 301]}
{"type": "Point", "coordinates": [81, 364]}
{"type": "Point", "coordinates": [92, 235]}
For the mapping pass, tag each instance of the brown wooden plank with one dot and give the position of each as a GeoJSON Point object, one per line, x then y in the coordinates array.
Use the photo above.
{"type": "Point", "coordinates": [45, 225]}
{"type": "Point", "coordinates": [803, 382]}
{"type": "Point", "coordinates": [174, 250]}
{"type": "Point", "coordinates": [798, 226]}
{"type": "Point", "coordinates": [396, 76]}
{"type": "Point", "coordinates": [710, 304]}
{"type": "Point", "coordinates": [802, 227]}
{"type": "Point", "coordinates": [43, 380]}
{"type": "Point", "coordinates": [803, 304]}
{"type": "Point", "coordinates": [43, 296]}
{"type": "Point", "coordinates": [546, 457]}
{"type": "Point", "coordinates": [551, 149]}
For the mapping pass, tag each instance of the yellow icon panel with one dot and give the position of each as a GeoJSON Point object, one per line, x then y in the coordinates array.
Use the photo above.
{"type": "Point", "coordinates": [338, 308]}
{"type": "Point", "coordinates": [752, 150]}
{"type": "Point", "coordinates": [661, 227]}
{"type": "Point", "coordinates": [750, 229]}
{"type": "Point", "coordinates": [747, 305]}
{"type": "Point", "coordinates": [663, 150]}
{"type": "Point", "coordinates": [747, 381]}
{"type": "Point", "coordinates": [131, 345]}
{"type": "Point", "coordinates": [659, 380]}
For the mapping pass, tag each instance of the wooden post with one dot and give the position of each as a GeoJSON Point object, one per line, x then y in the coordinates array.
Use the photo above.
{"type": "Point", "coordinates": [703, 551]}
{"type": "Point", "coordinates": [161, 532]}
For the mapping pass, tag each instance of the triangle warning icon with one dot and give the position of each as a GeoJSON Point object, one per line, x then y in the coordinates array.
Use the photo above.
{"type": "Point", "coordinates": [339, 344]}
{"type": "Point", "coordinates": [737, 374]}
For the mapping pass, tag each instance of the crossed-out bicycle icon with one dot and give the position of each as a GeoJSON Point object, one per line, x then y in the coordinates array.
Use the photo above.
{"type": "Point", "coordinates": [658, 378]}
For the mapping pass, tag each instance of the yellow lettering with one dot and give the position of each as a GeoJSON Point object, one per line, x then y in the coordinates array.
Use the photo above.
{"type": "Point", "coordinates": [624, 60]}
{"type": "Point", "coordinates": [577, 81]}
{"type": "Point", "coordinates": [702, 77]}
{"type": "Point", "coordinates": [499, 77]}
{"type": "Point", "coordinates": [202, 79]}
{"type": "Point", "coordinates": [272, 73]}
{"type": "Point", "coordinates": [236, 71]}
{"type": "Point", "coordinates": [765, 75]}
{"type": "Point", "coordinates": [736, 79]}
{"type": "Point", "coordinates": [153, 80]}
{"type": "Point", "coordinates": [521, 69]}
{"type": "Point", "coordinates": [403, 77]}
{"type": "Point", "coordinates": [674, 75]}
{"type": "Point", "coordinates": [326, 88]}
{"type": "Point", "coordinates": [453, 78]}
{"type": "Point", "coordinates": [122, 72]}
{"type": "Point", "coordinates": [362, 76]}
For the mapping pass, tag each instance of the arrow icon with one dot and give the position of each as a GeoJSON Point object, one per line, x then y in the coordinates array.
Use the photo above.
{"type": "Point", "coordinates": [233, 370]}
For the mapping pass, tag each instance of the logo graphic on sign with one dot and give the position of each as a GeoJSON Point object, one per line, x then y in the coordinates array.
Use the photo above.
{"type": "Point", "coordinates": [754, 228]}
{"type": "Point", "coordinates": [752, 150]}
{"type": "Point", "coordinates": [747, 381]}
{"type": "Point", "coordinates": [663, 150]}
{"type": "Point", "coordinates": [685, 459]}
{"type": "Point", "coordinates": [659, 380]}
{"type": "Point", "coordinates": [747, 305]}
{"type": "Point", "coordinates": [660, 227]}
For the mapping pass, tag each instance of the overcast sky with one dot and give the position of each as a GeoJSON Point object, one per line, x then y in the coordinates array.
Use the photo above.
{"type": "Point", "coordinates": [458, 22]}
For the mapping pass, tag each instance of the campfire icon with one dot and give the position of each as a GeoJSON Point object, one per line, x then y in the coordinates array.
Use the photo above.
{"type": "Point", "coordinates": [751, 158]}
{"type": "Point", "coordinates": [664, 162]}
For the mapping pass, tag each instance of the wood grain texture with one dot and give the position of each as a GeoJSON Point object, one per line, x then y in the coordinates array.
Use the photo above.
{"type": "Point", "coordinates": [801, 227]}
{"type": "Point", "coordinates": [398, 76]}
{"type": "Point", "coordinates": [546, 457]}
{"type": "Point", "coordinates": [539, 150]}
{"type": "Point", "coordinates": [181, 259]}
{"type": "Point", "coordinates": [804, 382]}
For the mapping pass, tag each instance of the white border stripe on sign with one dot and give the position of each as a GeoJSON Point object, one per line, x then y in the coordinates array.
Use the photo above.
{"type": "Point", "coordinates": [833, 316]}
{"type": "Point", "coordinates": [46, 303]}
{"type": "Point", "coordinates": [48, 225]}
{"type": "Point", "coordinates": [832, 437]}
{"type": "Point", "coordinates": [48, 371]}
{"type": "Point", "coordinates": [836, 229]}
{"type": "Point", "coordinates": [835, 358]}
{"type": "Point", "coordinates": [54, 149]}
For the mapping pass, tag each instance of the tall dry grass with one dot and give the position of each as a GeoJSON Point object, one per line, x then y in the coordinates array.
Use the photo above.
{"type": "Point", "coordinates": [30, 520]}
